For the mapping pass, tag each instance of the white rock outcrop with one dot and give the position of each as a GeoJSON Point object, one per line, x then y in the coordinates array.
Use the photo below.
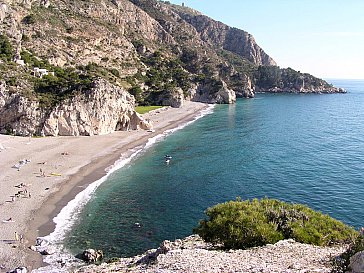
{"type": "Point", "coordinates": [215, 91]}
{"type": "Point", "coordinates": [100, 110]}
{"type": "Point", "coordinates": [225, 95]}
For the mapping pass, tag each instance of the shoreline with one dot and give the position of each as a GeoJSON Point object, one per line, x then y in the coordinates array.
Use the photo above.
{"type": "Point", "coordinates": [110, 149]}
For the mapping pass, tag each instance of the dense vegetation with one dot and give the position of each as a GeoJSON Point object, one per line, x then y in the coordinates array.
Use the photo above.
{"type": "Point", "coordinates": [268, 77]}
{"type": "Point", "coordinates": [163, 75]}
{"type": "Point", "coordinates": [61, 84]}
{"type": "Point", "coordinates": [244, 224]}
{"type": "Point", "coordinates": [6, 50]}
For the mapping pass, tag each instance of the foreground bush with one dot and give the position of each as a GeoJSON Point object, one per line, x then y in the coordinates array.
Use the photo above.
{"type": "Point", "coordinates": [244, 224]}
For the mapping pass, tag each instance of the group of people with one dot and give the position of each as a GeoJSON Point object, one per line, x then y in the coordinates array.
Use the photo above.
{"type": "Point", "coordinates": [22, 193]}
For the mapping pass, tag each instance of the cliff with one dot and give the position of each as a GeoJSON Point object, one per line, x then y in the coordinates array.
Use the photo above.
{"type": "Point", "coordinates": [52, 52]}
{"type": "Point", "coordinates": [222, 36]}
{"type": "Point", "coordinates": [275, 80]}
{"type": "Point", "coordinates": [102, 109]}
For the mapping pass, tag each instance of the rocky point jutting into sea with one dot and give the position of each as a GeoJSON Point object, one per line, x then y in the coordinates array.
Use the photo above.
{"type": "Point", "coordinates": [78, 68]}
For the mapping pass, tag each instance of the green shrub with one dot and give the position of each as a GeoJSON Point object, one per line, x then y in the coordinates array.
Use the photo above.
{"type": "Point", "coordinates": [11, 81]}
{"type": "Point", "coordinates": [137, 92]}
{"type": "Point", "coordinates": [29, 19]}
{"type": "Point", "coordinates": [6, 50]}
{"type": "Point", "coordinates": [244, 224]}
{"type": "Point", "coordinates": [115, 72]}
{"type": "Point", "coordinates": [113, 260]}
{"type": "Point", "coordinates": [51, 90]}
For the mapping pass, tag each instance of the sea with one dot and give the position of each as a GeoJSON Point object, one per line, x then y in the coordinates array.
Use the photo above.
{"type": "Point", "coordinates": [299, 148]}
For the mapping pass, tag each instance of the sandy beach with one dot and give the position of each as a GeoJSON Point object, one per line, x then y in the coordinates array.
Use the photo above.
{"type": "Point", "coordinates": [39, 176]}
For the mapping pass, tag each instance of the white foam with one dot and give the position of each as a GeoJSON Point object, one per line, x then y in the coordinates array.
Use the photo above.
{"type": "Point", "coordinates": [69, 214]}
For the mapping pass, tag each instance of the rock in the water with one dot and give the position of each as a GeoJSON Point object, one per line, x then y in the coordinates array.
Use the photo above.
{"type": "Point", "coordinates": [41, 242]}
{"type": "Point", "coordinates": [92, 255]}
{"type": "Point", "coordinates": [357, 263]}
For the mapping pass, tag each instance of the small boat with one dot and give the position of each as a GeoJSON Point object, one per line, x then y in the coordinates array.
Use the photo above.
{"type": "Point", "coordinates": [167, 157]}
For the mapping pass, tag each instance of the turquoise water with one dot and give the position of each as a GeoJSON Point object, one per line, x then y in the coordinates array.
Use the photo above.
{"type": "Point", "coordinates": [298, 148]}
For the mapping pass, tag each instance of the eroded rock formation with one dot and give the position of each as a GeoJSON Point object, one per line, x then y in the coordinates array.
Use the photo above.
{"type": "Point", "coordinates": [100, 110]}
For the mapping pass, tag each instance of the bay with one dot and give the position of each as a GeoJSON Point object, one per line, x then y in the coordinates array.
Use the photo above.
{"type": "Point", "coordinates": [298, 148]}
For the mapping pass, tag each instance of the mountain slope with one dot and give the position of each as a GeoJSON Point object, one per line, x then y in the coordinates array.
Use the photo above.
{"type": "Point", "coordinates": [158, 52]}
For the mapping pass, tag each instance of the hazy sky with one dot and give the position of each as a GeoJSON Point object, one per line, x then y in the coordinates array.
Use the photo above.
{"type": "Point", "coordinates": [322, 37]}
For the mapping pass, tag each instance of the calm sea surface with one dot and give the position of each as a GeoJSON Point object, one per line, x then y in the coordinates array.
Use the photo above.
{"type": "Point", "coordinates": [298, 148]}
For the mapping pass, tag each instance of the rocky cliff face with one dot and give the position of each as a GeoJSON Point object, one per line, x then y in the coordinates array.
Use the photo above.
{"type": "Point", "coordinates": [101, 110]}
{"type": "Point", "coordinates": [159, 52]}
{"type": "Point", "coordinates": [231, 39]}
{"type": "Point", "coordinates": [213, 91]}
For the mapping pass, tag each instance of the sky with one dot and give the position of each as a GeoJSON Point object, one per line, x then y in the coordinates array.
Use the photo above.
{"type": "Point", "coordinates": [322, 37]}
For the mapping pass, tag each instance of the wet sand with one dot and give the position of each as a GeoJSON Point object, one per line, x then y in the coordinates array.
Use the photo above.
{"type": "Point", "coordinates": [59, 168]}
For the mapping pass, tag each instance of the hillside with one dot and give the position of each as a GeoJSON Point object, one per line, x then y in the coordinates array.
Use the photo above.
{"type": "Point", "coordinates": [52, 53]}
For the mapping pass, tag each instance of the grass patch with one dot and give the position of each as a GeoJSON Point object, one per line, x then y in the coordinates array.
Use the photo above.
{"type": "Point", "coordinates": [145, 109]}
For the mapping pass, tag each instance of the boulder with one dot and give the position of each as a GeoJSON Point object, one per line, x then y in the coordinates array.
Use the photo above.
{"type": "Point", "coordinates": [213, 91]}
{"type": "Point", "coordinates": [137, 122]}
{"type": "Point", "coordinates": [91, 255]}
{"type": "Point", "coordinates": [174, 98]}
{"type": "Point", "coordinates": [225, 95]}
{"type": "Point", "coordinates": [357, 262]}
{"type": "Point", "coordinates": [151, 255]}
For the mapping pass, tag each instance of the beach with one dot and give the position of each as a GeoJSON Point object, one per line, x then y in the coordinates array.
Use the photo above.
{"type": "Point", "coordinates": [39, 176]}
